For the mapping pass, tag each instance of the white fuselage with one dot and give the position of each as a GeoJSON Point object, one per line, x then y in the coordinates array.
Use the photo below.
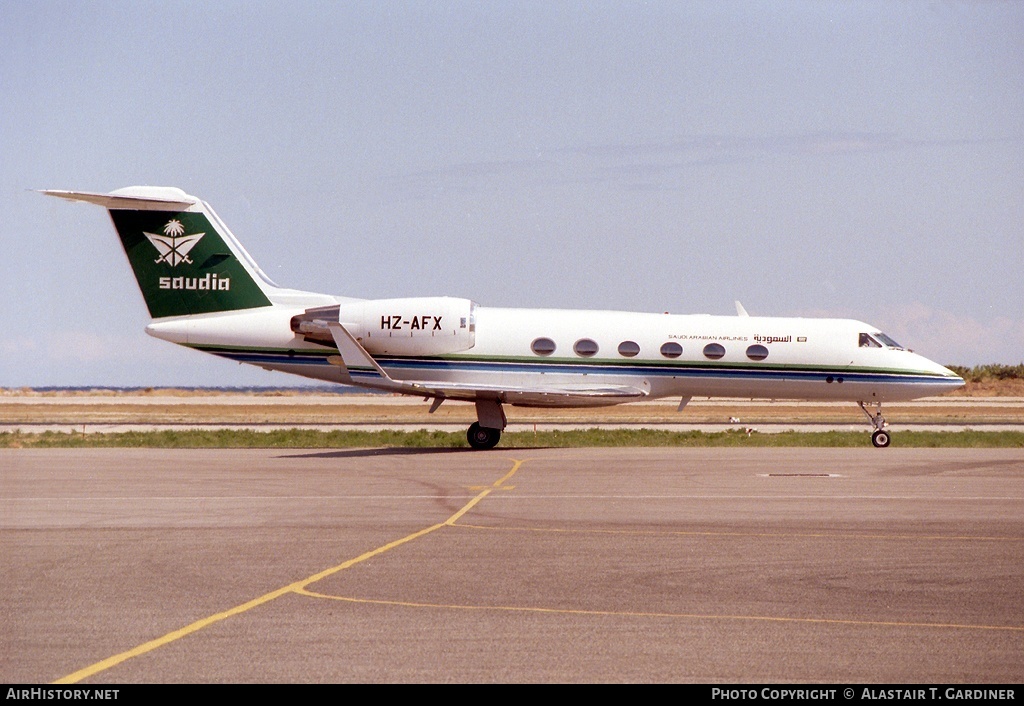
{"type": "Point", "coordinates": [764, 357]}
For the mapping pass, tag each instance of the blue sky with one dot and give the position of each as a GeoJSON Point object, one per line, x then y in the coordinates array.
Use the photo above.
{"type": "Point", "coordinates": [852, 159]}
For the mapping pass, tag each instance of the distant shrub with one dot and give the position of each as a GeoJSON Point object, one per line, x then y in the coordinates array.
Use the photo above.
{"type": "Point", "coordinates": [989, 373]}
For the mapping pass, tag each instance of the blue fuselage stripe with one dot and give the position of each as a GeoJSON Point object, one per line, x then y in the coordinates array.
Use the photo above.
{"type": "Point", "coordinates": [660, 370]}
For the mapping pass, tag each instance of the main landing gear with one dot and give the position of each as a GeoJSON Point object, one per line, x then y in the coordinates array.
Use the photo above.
{"type": "Point", "coordinates": [481, 438]}
{"type": "Point", "coordinates": [486, 432]}
{"type": "Point", "coordinates": [880, 437]}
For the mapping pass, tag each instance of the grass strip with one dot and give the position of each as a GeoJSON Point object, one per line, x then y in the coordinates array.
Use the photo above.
{"type": "Point", "coordinates": [303, 438]}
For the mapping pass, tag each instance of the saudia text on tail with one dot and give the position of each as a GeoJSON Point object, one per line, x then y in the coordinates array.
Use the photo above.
{"type": "Point", "coordinates": [209, 281]}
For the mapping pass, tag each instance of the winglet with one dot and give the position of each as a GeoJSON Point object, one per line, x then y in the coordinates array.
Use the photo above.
{"type": "Point", "coordinates": [740, 311]}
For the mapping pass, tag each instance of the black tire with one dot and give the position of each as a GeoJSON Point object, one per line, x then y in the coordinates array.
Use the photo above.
{"type": "Point", "coordinates": [880, 439]}
{"type": "Point", "coordinates": [482, 438]}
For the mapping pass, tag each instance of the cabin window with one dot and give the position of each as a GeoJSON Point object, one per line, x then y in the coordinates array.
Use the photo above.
{"type": "Point", "coordinates": [866, 341]}
{"type": "Point", "coordinates": [543, 346]}
{"type": "Point", "coordinates": [757, 352]}
{"type": "Point", "coordinates": [585, 347]}
{"type": "Point", "coordinates": [629, 349]}
{"type": "Point", "coordinates": [714, 351]}
{"type": "Point", "coordinates": [671, 350]}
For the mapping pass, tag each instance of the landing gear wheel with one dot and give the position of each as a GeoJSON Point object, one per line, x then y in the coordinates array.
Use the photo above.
{"type": "Point", "coordinates": [880, 438]}
{"type": "Point", "coordinates": [481, 438]}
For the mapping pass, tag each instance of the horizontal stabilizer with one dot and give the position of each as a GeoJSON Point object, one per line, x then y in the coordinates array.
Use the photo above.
{"type": "Point", "coordinates": [132, 198]}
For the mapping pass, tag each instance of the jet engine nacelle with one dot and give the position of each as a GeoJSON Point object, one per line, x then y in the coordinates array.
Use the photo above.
{"type": "Point", "coordinates": [414, 326]}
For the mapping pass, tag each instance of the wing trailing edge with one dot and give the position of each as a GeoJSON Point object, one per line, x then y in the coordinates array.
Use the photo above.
{"type": "Point", "coordinates": [354, 359]}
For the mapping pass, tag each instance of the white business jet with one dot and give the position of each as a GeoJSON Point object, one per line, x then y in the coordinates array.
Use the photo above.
{"type": "Point", "coordinates": [205, 292]}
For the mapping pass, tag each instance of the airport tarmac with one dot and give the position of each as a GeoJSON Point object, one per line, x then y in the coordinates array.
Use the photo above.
{"type": "Point", "coordinates": [541, 565]}
{"type": "Point", "coordinates": [107, 413]}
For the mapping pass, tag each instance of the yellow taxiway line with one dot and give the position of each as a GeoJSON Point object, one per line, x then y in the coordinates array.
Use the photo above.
{"type": "Point", "coordinates": [298, 587]}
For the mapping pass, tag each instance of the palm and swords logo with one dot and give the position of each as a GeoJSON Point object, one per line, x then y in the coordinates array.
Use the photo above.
{"type": "Point", "coordinates": [174, 246]}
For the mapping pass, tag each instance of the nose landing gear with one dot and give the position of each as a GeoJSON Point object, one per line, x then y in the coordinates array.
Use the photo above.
{"type": "Point", "coordinates": [880, 437]}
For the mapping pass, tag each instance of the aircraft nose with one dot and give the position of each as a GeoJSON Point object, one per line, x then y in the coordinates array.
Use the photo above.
{"type": "Point", "coordinates": [951, 374]}
{"type": "Point", "coordinates": [951, 379]}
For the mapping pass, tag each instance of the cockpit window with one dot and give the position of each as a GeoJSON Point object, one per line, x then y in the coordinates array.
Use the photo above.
{"type": "Point", "coordinates": [886, 340]}
{"type": "Point", "coordinates": [866, 341]}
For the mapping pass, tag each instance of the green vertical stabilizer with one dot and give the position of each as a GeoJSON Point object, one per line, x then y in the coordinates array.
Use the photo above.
{"type": "Point", "coordinates": [183, 265]}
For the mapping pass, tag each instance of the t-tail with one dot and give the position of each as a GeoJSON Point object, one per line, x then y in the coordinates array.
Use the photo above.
{"type": "Point", "coordinates": [185, 259]}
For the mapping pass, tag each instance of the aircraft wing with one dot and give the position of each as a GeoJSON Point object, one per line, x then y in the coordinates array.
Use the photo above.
{"type": "Point", "coordinates": [363, 370]}
{"type": "Point", "coordinates": [535, 394]}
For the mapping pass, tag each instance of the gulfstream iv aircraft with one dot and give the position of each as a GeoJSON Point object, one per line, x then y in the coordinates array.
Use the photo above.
{"type": "Point", "coordinates": [205, 292]}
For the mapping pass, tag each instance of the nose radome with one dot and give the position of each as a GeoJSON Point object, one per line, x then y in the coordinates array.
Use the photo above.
{"type": "Point", "coordinates": [952, 381]}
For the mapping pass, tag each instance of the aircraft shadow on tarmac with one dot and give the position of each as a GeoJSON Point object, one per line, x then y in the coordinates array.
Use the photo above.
{"type": "Point", "coordinates": [400, 451]}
